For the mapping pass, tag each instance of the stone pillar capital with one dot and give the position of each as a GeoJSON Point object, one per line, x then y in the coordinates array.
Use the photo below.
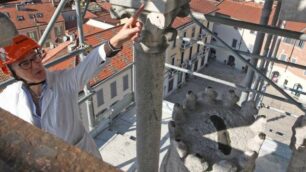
{"type": "Point", "coordinates": [157, 18]}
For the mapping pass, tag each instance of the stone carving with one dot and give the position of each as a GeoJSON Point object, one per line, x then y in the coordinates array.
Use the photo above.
{"type": "Point", "coordinates": [207, 134]}
{"type": "Point", "coordinates": [298, 145]}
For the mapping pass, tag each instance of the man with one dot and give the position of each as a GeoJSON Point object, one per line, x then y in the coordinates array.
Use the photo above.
{"type": "Point", "coordinates": [49, 100]}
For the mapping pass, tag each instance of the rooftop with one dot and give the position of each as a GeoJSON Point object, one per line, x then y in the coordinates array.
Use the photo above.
{"type": "Point", "coordinates": [244, 11]}
{"type": "Point", "coordinates": [31, 15]}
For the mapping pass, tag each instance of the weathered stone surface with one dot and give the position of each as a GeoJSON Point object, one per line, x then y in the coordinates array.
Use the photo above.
{"type": "Point", "coordinates": [298, 145]}
{"type": "Point", "coordinates": [25, 147]}
{"type": "Point", "coordinates": [213, 135]}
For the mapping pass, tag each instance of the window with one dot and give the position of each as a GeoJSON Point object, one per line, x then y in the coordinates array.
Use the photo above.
{"type": "Point", "coordinates": [285, 82]}
{"type": "Point", "coordinates": [234, 43]}
{"type": "Point", "coordinates": [283, 57]}
{"type": "Point", "coordinates": [193, 32]}
{"type": "Point", "coordinates": [190, 53]}
{"type": "Point", "coordinates": [125, 82]}
{"type": "Point", "coordinates": [301, 44]}
{"type": "Point", "coordinates": [293, 60]}
{"type": "Point", "coordinates": [202, 60]}
{"type": "Point", "coordinates": [32, 35]}
{"type": "Point", "coordinates": [289, 41]}
{"type": "Point", "coordinates": [170, 86]}
{"type": "Point", "coordinates": [100, 97]}
{"type": "Point", "coordinates": [39, 15]}
{"type": "Point", "coordinates": [172, 59]}
{"type": "Point", "coordinates": [182, 57]}
{"type": "Point", "coordinates": [31, 16]}
{"type": "Point", "coordinates": [174, 43]}
{"type": "Point", "coordinates": [183, 42]}
{"type": "Point", "coordinates": [113, 89]}
{"type": "Point", "coordinates": [198, 49]}
{"type": "Point", "coordinates": [20, 18]}
{"type": "Point", "coordinates": [304, 72]}
{"type": "Point", "coordinates": [179, 78]}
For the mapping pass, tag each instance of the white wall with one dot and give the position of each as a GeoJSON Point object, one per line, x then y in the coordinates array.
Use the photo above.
{"type": "Point", "coordinates": [176, 51]}
{"type": "Point", "coordinates": [102, 111]}
{"type": "Point", "coordinates": [245, 42]}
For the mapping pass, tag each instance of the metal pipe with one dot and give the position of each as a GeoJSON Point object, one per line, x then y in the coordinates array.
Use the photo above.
{"type": "Point", "coordinates": [249, 65]}
{"type": "Point", "coordinates": [266, 47]}
{"type": "Point", "coordinates": [87, 92]}
{"type": "Point", "coordinates": [256, 27]}
{"type": "Point", "coordinates": [261, 57]}
{"type": "Point", "coordinates": [256, 56]}
{"type": "Point", "coordinates": [85, 9]}
{"type": "Point", "coordinates": [257, 48]}
{"type": "Point", "coordinates": [79, 25]}
{"type": "Point", "coordinates": [84, 98]}
{"type": "Point", "coordinates": [230, 84]}
{"type": "Point", "coordinates": [272, 53]}
{"type": "Point", "coordinates": [52, 22]}
{"type": "Point", "coordinates": [64, 58]}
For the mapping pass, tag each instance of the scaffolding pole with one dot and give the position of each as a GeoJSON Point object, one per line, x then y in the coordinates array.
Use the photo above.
{"type": "Point", "coordinates": [269, 59]}
{"type": "Point", "coordinates": [266, 11]}
{"type": "Point", "coordinates": [85, 9]}
{"type": "Point", "coordinates": [299, 105]}
{"type": "Point", "coordinates": [227, 83]}
{"type": "Point", "coordinates": [87, 92]}
{"type": "Point", "coordinates": [52, 22]}
{"type": "Point", "coordinates": [266, 49]}
{"type": "Point", "coordinates": [256, 27]}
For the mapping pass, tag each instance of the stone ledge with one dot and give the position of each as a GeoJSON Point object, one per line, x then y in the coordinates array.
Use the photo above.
{"type": "Point", "coordinates": [25, 147]}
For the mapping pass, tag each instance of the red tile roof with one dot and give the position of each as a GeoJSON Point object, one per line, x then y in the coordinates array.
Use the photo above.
{"type": "Point", "coordinates": [52, 53]}
{"type": "Point", "coordinates": [89, 15]}
{"type": "Point", "coordinates": [106, 18]}
{"type": "Point", "coordinates": [116, 64]}
{"type": "Point", "coordinates": [105, 6]}
{"type": "Point", "coordinates": [295, 26]}
{"type": "Point", "coordinates": [202, 6]}
{"type": "Point", "coordinates": [180, 21]}
{"type": "Point", "coordinates": [46, 9]}
{"type": "Point", "coordinates": [245, 11]}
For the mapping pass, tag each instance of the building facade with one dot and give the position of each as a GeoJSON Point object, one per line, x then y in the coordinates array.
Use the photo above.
{"type": "Point", "coordinates": [291, 50]}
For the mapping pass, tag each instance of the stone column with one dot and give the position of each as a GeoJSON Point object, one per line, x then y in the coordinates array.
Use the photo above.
{"type": "Point", "coordinates": [149, 61]}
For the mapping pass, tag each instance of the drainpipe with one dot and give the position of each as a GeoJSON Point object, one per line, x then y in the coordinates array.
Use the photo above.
{"type": "Point", "coordinates": [149, 62]}
{"type": "Point", "coordinates": [257, 48]}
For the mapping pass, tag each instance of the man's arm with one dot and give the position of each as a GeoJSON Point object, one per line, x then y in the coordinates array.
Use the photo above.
{"type": "Point", "coordinates": [93, 64]}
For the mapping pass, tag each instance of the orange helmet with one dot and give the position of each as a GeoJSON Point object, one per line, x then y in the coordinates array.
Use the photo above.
{"type": "Point", "coordinates": [21, 46]}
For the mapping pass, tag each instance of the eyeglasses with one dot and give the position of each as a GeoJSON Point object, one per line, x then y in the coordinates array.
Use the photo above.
{"type": "Point", "coordinates": [27, 64]}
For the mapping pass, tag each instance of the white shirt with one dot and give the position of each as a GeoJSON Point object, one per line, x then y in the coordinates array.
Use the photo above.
{"type": "Point", "coordinates": [60, 113]}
